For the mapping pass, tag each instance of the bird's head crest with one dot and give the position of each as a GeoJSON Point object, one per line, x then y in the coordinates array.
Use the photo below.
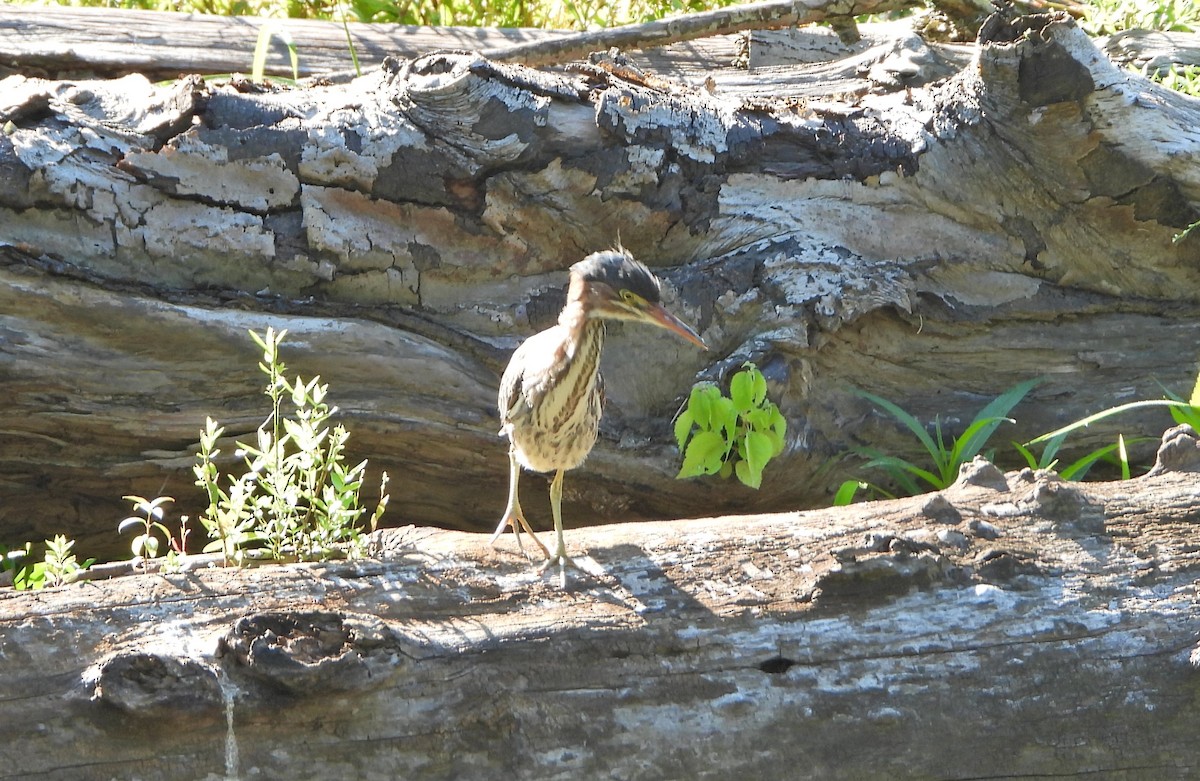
{"type": "Point", "coordinates": [617, 269]}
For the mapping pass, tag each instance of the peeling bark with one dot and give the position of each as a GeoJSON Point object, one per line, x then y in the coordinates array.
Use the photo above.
{"type": "Point", "coordinates": [1011, 626]}
{"type": "Point", "coordinates": [934, 241]}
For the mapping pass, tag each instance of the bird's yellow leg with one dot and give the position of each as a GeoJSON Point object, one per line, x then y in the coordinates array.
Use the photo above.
{"type": "Point", "coordinates": [513, 516]}
{"type": "Point", "coordinates": [560, 556]}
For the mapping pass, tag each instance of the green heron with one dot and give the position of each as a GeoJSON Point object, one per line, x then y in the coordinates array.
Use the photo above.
{"type": "Point", "coordinates": [551, 395]}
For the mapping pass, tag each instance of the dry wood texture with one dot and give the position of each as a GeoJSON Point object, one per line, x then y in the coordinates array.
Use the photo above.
{"type": "Point", "coordinates": [932, 238]}
{"type": "Point", "coordinates": [1010, 627]}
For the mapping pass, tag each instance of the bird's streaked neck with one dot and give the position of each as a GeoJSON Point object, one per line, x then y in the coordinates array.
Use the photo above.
{"type": "Point", "coordinates": [574, 316]}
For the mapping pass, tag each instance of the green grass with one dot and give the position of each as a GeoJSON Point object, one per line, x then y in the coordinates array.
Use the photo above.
{"type": "Point", "coordinates": [1184, 78]}
{"type": "Point", "coordinates": [1103, 17]}
{"type": "Point", "coordinates": [547, 14]}
{"type": "Point", "coordinates": [946, 453]}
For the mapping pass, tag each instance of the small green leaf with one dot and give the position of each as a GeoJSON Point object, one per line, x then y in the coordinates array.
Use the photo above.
{"type": "Point", "coordinates": [778, 429]}
{"type": "Point", "coordinates": [724, 416]}
{"type": "Point", "coordinates": [760, 384]}
{"type": "Point", "coordinates": [299, 392]}
{"type": "Point", "coordinates": [758, 419]}
{"type": "Point", "coordinates": [995, 413]}
{"type": "Point", "coordinates": [758, 451]}
{"type": "Point", "coordinates": [909, 422]}
{"type": "Point", "coordinates": [129, 523]}
{"type": "Point", "coordinates": [741, 391]}
{"type": "Point", "coordinates": [1030, 459]}
{"type": "Point", "coordinates": [748, 475]}
{"type": "Point", "coordinates": [1123, 456]}
{"type": "Point", "coordinates": [683, 428]}
{"type": "Point", "coordinates": [700, 405]}
{"type": "Point", "coordinates": [971, 442]}
{"type": "Point", "coordinates": [846, 491]}
{"type": "Point", "coordinates": [703, 455]}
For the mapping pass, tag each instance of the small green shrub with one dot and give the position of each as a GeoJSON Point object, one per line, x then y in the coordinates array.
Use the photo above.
{"type": "Point", "coordinates": [60, 564]}
{"type": "Point", "coordinates": [146, 544]}
{"type": "Point", "coordinates": [12, 562]}
{"type": "Point", "coordinates": [1181, 78]}
{"type": "Point", "coordinates": [1105, 17]}
{"type": "Point", "coordinates": [297, 497]}
{"type": "Point", "coordinates": [735, 434]}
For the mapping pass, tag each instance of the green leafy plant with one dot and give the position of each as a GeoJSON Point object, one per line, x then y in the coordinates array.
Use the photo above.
{"type": "Point", "coordinates": [945, 456]}
{"type": "Point", "coordinates": [24, 576]}
{"type": "Point", "coordinates": [735, 434]}
{"type": "Point", "coordinates": [146, 544]}
{"type": "Point", "coordinates": [1181, 78]}
{"type": "Point", "coordinates": [297, 497]}
{"type": "Point", "coordinates": [59, 565]}
{"type": "Point", "coordinates": [1104, 17]}
{"type": "Point", "coordinates": [560, 14]}
{"type": "Point", "coordinates": [229, 519]}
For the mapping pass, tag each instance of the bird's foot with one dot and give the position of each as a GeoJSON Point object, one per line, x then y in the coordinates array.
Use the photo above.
{"type": "Point", "coordinates": [516, 519]}
{"type": "Point", "coordinates": [564, 563]}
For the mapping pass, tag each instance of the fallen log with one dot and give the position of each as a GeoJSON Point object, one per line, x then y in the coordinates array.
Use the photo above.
{"type": "Point", "coordinates": [1011, 626]}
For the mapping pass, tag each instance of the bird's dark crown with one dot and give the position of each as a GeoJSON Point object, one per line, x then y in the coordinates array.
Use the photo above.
{"type": "Point", "coordinates": [617, 269]}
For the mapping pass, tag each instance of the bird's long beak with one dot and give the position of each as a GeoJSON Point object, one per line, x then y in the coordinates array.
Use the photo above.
{"type": "Point", "coordinates": [659, 316]}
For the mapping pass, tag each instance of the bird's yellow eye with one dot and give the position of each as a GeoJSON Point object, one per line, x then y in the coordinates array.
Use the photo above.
{"type": "Point", "coordinates": [629, 297]}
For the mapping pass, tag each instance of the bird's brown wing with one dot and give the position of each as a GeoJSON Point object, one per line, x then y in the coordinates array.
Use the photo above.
{"type": "Point", "coordinates": [535, 367]}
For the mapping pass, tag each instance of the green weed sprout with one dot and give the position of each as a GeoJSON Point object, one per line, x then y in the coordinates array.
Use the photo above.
{"type": "Point", "coordinates": [59, 564]}
{"type": "Point", "coordinates": [946, 457]}
{"type": "Point", "coordinates": [258, 65]}
{"type": "Point", "coordinates": [1078, 469]}
{"type": "Point", "coordinates": [228, 519]}
{"type": "Point", "coordinates": [24, 576]}
{"type": "Point", "coordinates": [735, 434]}
{"type": "Point", "coordinates": [146, 544]}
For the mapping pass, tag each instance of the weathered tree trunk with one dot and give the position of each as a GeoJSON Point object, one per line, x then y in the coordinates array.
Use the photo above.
{"type": "Point", "coordinates": [1010, 627]}
{"type": "Point", "coordinates": [932, 241]}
